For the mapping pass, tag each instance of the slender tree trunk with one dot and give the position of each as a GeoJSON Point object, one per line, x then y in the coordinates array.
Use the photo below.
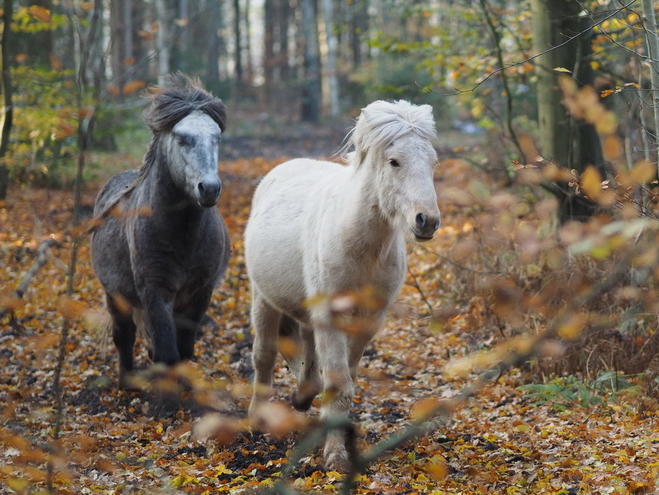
{"type": "Point", "coordinates": [332, 79]}
{"type": "Point", "coordinates": [570, 144]}
{"type": "Point", "coordinates": [249, 61]}
{"type": "Point", "coordinates": [237, 33]}
{"type": "Point", "coordinates": [162, 40]}
{"type": "Point", "coordinates": [358, 30]}
{"type": "Point", "coordinates": [312, 93]}
{"type": "Point", "coordinates": [213, 73]}
{"type": "Point", "coordinates": [284, 15]}
{"type": "Point", "coordinates": [268, 47]}
{"type": "Point", "coordinates": [8, 111]}
{"type": "Point", "coordinates": [652, 40]}
{"type": "Point", "coordinates": [179, 51]}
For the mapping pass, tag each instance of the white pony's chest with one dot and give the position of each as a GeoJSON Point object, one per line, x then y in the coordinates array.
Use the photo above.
{"type": "Point", "coordinates": [344, 260]}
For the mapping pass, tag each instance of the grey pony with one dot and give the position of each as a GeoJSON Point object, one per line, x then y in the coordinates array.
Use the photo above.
{"type": "Point", "coordinates": [160, 243]}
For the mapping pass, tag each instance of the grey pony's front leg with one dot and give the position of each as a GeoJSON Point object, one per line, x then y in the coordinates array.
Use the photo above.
{"type": "Point", "coordinates": [159, 323]}
{"type": "Point", "coordinates": [123, 336]}
{"type": "Point", "coordinates": [188, 322]}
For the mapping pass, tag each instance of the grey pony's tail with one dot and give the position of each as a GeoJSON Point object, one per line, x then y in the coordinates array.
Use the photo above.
{"type": "Point", "coordinates": [103, 324]}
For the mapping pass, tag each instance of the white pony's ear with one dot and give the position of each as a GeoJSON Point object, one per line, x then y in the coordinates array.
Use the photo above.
{"type": "Point", "coordinates": [356, 140]}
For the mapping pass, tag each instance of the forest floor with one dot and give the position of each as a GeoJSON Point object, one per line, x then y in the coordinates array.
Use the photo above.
{"type": "Point", "coordinates": [500, 442]}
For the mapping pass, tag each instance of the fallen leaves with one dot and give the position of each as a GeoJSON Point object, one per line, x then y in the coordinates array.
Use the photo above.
{"type": "Point", "coordinates": [499, 442]}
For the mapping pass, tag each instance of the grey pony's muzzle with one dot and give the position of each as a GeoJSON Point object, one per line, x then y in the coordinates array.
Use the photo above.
{"type": "Point", "coordinates": [209, 191]}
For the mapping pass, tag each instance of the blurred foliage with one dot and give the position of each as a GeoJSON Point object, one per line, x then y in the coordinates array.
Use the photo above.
{"type": "Point", "coordinates": [45, 123]}
{"type": "Point", "coordinates": [567, 391]}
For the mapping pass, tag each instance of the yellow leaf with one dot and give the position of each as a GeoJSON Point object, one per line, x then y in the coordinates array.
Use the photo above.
{"type": "Point", "coordinates": [288, 347]}
{"type": "Point", "coordinates": [562, 69]}
{"type": "Point", "coordinates": [17, 484]}
{"type": "Point", "coordinates": [438, 471]}
{"type": "Point", "coordinates": [606, 124]}
{"type": "Point", "coordinates": [643, 172]}
{"type": "Point", "coordinates": [591, 183]}
{"type": "Point", "coordinates": [571, 329]}
{"type": "Point", "coordinates": [424, 409]}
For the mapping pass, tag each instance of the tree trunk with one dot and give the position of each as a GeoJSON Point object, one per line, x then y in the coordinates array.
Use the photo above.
{"type": "Point", "coordinates": [284, 14]}
{"type": "Point", "coordinates": [652, 41]}
{"type": "Point", "coordinates": [268, 46]}
{"type": "Point", "coordinates": [332, 79]}
{"type": "Point", "coordinates": [237, 33]}
{"type": "Point", "coordinates": [162, 40]}
{"type": "Point", "coordinates": [40, 44]}
{"type": "Point", "coordinates": [179, 52]}
{"type": "Point", "coordinates": [312, 93]}
{"type": "Point", "coordinates": [570, 144]}
{"type": "Point", "coordinates": [213, 62]}
{"type": "Point", "coordinates": [359, 30]}
{"type": "Point", "coordinates": [8, 111]}
{"type": "Point", "coordinates": [249, 62]}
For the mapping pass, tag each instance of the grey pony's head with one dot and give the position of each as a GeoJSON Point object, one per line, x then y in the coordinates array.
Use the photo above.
{"type": "Point", "coordinates": [188, 120]}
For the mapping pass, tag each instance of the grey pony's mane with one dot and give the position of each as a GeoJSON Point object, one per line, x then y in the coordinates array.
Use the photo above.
{"type": "Point", "coordinates": [180, 96]}
{"type": "Point", "coordinates": [382, 123]}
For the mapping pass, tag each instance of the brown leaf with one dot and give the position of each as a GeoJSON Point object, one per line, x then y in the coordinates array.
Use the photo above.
{"type": "Point", "coordinates": [41, 13]}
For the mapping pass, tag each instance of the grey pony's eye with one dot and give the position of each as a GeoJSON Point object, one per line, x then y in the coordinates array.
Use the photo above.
{"type": "Point", "coordinates": [185, 140]}
{"type": "Point", "coordinates": [394, 163]}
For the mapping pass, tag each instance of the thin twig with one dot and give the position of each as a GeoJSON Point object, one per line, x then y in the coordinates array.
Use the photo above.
{"type": "Point", "coordinates": [415, 284]}
{"type": "Point", "coordinates": [41, 260]}
{"type": "Point", "coordinates": [462, 267]}
{"type": "Point", "coordinates": [458, 91]}
{"type": "Point", "coordinates": [504, 80]}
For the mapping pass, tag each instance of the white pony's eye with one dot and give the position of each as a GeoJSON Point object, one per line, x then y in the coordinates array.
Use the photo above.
{"type": "Point", "coordinates": [394, 163]}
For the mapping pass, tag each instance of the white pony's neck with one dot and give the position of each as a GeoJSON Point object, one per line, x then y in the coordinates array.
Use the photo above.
{"type": "Point", "coordinates": [366, 228]}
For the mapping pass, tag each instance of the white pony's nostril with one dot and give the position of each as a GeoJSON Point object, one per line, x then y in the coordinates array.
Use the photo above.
{"type": "Point", "coordinates": [420, 220]}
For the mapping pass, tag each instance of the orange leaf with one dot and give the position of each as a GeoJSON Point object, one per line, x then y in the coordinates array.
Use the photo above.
{"type": "Point", "coordinates": [591, 183]}
{"type": "Point", "coordinates": [40, 13]}
{"type": "Point", "coordinates": [132, 86]}
{"type": "Point", "coordinates": [70, 308]}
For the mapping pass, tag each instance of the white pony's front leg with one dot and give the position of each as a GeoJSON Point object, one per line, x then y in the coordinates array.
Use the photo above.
{"type": "Point", "coordinates": [338, 388]}
{"type": "Point", "coordinates": [309, 383]}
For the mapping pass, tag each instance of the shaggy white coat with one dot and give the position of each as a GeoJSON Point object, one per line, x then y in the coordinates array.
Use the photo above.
{"type": "Point", "coordinates": [320, 228]}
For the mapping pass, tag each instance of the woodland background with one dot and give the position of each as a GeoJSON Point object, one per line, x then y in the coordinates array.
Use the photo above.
{"type": "Point", "coordinates": [521, 355]}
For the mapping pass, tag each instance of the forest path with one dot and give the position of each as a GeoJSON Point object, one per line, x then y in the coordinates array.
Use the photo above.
{"type": "Point", "coordinates": [498, 443]}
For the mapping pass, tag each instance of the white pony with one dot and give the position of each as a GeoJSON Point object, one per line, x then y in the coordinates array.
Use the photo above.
{"type": "Point", "coordinates": [320, 228]}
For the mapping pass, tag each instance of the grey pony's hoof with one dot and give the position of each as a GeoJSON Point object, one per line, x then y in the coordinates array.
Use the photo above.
{"type": "Point", "coordinates": [164, 405]}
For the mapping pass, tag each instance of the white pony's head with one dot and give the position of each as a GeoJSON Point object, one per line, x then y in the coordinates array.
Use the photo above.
{"type": "Point", "coordinates": [393, 139]}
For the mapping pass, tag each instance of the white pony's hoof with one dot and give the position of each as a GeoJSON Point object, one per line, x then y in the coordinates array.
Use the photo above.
{"type": "Point", "coordinates": [337, 460]}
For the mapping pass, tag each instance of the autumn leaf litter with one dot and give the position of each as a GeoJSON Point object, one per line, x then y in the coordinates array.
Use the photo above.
{"type": "Point", "coordinates": [499, 443]}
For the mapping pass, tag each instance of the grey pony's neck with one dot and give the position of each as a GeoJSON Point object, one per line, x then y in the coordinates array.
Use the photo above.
{"type": "Point", "coordinates": [166, 198]}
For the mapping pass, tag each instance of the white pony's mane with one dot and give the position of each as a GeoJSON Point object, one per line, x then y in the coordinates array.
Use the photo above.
{"type": "Point", "coordinates": [382, 122]}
